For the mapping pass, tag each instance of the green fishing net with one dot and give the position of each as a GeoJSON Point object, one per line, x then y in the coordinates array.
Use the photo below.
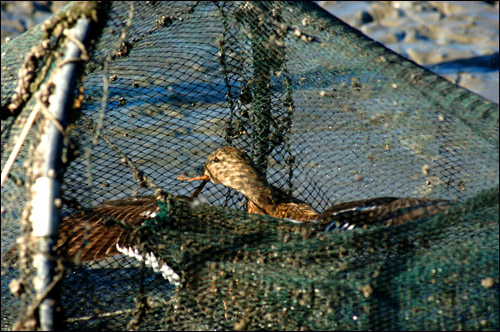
{"type": "Point", "coordinates": [328, 114]}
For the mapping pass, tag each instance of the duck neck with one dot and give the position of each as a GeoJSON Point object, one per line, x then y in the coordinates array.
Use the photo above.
{"type": "Point", "coordinates": [260, 195]}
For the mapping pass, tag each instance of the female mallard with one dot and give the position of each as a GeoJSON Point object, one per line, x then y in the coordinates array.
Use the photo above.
{"type": "Point", "coordinates": [233, 168]}
{"type": "Point", "coordinates": [87, 236]}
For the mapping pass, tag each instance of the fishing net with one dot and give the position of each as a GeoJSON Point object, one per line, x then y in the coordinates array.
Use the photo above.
{"type": "Point", "coordinates": [328, 114]}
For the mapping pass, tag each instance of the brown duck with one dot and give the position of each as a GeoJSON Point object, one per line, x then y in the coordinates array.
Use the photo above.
{"type": "Point", "coordinates": [233, 168]}
{"type": "Point", "coordinates": [86, 236]}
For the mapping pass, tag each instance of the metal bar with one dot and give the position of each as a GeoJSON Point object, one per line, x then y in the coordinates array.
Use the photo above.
{"type": "Point", "coordinates": [45, 211]}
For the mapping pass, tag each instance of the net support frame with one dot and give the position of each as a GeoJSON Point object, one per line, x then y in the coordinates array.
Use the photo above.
{"type": "Point", "coordinates": [46, 189]}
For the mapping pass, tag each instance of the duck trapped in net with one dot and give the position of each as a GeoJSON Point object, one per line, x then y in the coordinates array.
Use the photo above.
{"type": "Point", "coordinates": [339, 186]}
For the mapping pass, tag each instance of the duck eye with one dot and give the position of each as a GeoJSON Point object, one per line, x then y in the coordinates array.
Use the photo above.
{"type": "Point", "coordinates": [215, 160]}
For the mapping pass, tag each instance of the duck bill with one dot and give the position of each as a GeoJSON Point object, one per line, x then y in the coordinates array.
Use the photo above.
{"type": "Point", "coordinates": [195, 174]}
{"type": "Point", "coordinates": [184, 177]}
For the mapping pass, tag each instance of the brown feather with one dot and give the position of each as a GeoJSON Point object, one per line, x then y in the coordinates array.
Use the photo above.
{"type": "Point", "coordinates": [92, 236]}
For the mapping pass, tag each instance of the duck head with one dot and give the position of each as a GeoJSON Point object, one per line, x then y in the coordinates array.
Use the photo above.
{"type": "Point", "coordinates": [232, 168]}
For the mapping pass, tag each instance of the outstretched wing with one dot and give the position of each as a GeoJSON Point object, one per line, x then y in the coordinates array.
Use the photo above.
{"type": "Point", "coordinates": [94, 234]}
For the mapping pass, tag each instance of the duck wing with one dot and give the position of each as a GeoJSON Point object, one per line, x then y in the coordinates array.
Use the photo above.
{"type": "Point", "coordinates": [380, 211]}
{"type": "Point", "coordinates": [94, 234]}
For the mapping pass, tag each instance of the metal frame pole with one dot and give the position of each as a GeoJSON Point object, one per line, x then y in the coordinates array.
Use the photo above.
{"type": "Point", "coordinates": [45, 207]}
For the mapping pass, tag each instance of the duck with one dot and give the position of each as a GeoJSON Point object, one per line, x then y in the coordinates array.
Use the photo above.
{"type": "Point", "coordinates": [89, 235]}
{"type": "Point", "coordinates": [232, 167]}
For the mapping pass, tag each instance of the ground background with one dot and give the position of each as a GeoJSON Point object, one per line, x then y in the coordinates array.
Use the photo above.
{"type": "Point", "coordinates": [456, 39]}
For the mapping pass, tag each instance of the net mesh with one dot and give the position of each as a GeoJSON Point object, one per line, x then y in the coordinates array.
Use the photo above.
{"type": "Point", "coordinates": [329, 115]}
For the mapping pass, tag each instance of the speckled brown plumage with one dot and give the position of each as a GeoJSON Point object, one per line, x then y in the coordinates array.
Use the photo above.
{"type": "Point", "coordinates": [233, 168]}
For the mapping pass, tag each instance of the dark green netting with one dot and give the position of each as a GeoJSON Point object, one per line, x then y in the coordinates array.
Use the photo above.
{"type": "Point", "coordinates": [263, 273]}
{"type": "Point", "coordinates": [329, 114]}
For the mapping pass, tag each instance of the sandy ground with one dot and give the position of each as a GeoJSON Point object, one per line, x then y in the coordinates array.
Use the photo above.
{"type": "Point", "coordinates": [456, 39]}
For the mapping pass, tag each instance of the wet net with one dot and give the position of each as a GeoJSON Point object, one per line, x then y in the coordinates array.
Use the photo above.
{"type": "Point", "coordinates": [329, 115]}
